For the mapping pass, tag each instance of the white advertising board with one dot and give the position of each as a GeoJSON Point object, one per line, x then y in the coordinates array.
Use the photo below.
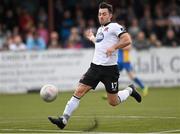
{"type": "Point", "coordinates": [156, 67]}
{"type": "Point", "coordinates": [22, 71]}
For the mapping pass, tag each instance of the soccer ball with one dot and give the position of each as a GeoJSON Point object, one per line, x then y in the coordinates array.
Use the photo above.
{"type": "Point", "coordinates": [49, 92]}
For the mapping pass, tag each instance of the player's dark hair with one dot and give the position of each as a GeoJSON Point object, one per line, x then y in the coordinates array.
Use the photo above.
{"type": "Point", "coordinates": [106, 5]}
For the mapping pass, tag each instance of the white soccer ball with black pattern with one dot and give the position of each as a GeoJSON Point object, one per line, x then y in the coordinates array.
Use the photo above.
{"type": "Point", "coordinates": [49, 92]}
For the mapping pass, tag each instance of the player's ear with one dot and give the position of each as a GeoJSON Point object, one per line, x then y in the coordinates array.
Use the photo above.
{"type": "Point", "coordinates": [111, 16]}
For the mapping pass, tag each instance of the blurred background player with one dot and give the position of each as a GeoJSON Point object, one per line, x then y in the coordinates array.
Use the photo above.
{"type": "Point", "coordinates": [124, 63]}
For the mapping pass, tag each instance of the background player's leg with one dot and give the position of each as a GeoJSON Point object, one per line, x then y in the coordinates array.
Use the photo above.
{"type": "Point", "coordinates": [132, 76]}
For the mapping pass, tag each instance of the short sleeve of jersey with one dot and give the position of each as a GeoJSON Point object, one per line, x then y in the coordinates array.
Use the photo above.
{"type": "Point", "coordinates": [118, 29]}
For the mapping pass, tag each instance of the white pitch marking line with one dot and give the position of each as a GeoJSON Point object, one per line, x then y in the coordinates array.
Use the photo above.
{"type": "Point", "coordinates": [104, 116]}
{"type": "Point", "coordinates": [72, 131]}
{"type": "Point", "coordinates": [21, 120]}
{"type": "Point", "coordinates": [168, 131]}
{"type": "Point", "coordinates": [131, 117]}
{"type": "Point", "coordinates": [40, 130]}
{"type": "Point", "coordinates": [59, 131]}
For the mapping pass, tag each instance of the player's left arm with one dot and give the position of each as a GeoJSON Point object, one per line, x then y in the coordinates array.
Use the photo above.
{"type": "Point", "coordinates": [125, 41]}
{"type": "Point", "coordinates": [127, 48]}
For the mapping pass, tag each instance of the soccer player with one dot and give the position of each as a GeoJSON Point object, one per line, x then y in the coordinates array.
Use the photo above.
{"type": "Point", "coordinates": [109, 38]}
{"type": "Point", "coordinates": [124, 63]}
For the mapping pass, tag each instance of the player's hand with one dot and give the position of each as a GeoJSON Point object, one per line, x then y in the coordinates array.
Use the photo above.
{"type": "Point", "coordinates": [89, 34]}
{"type": "Point", "coordinates": [110, 51]}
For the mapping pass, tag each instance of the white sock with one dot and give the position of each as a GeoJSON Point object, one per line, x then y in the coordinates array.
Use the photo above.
{"type": "Point", "coordinates": [71, 105]}
{"type": "Point", "coordinates": [124, 94]}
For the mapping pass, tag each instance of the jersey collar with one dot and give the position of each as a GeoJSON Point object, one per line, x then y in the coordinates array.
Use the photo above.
{"type": "Point", "coordinates": [107, 23]}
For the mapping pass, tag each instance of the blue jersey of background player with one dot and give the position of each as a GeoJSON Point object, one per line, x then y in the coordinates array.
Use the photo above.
{"type": "Point", "coordinates": [124, 63]}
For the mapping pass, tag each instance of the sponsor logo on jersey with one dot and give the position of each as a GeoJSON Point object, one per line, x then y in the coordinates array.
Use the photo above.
{"type": "Point", "coordinates": [99, 37]}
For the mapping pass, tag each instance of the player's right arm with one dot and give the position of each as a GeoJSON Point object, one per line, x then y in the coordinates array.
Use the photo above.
{"type": "Point", "coordinates": [89, 35]}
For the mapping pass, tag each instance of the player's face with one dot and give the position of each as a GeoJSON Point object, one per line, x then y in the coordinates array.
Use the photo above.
{"type": "Point", "coordinates": [104, 16]}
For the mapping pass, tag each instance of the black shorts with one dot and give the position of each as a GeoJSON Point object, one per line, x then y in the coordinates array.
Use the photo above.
{"type": "Point", "coordinates": [108, 75]}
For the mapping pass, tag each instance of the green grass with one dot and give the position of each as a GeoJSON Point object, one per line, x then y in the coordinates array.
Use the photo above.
{"type": "Point", "coordinates": [27, 113]}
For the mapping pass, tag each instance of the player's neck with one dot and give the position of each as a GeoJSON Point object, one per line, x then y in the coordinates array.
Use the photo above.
{"type": "Point", "coordinates": [106, 23]}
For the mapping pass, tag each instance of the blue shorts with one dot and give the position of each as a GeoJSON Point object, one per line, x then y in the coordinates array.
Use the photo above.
{"type": "Point", "coordinates": [125, 65]}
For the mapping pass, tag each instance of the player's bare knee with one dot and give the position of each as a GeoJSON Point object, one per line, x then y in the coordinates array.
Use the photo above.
{"type": "Point", "coordinates": [81, 90]}
{"type": "Point", "coordinates": [113, 99]}
{"type": "Point", "coordinates": [113, 103]}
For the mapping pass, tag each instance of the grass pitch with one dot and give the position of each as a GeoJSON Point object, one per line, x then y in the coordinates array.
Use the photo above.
{"type": "Point", "coordinates": [158, 112]}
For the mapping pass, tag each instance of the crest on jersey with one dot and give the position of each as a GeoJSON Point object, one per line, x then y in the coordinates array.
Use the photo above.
{"type": "Point", "coordinates": [99, 37]}
{"type": "Point", "coordinates": [106, 29]}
